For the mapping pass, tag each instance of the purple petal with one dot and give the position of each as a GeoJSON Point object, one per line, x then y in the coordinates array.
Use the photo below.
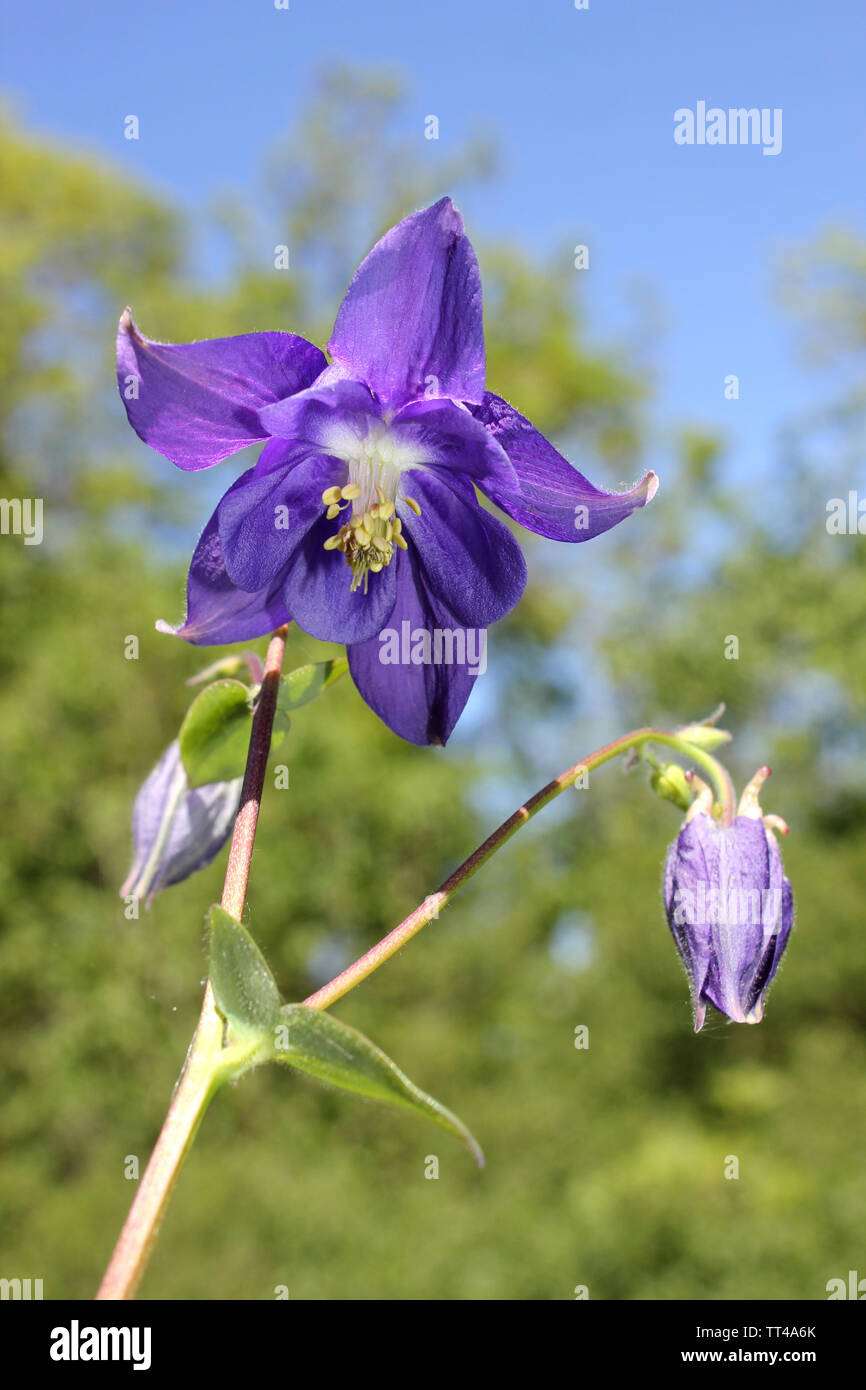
{"type": "Point", "coordinates": [552, 498]}
{"type": "Point", "coordinates": [317, 589]}
{"type": "Point", "coordinates": [689, 862]}
{"type": "Point", "coordinates": [773, 950]}
{"type": "Point", "coordinates": [201, 828]}
{"type": "Point", "coordinates": [742, 875]}
{"type": "Point", "coordinates": [445, 436]}
{"type": "Point", "coordinates": [164, 783]}
{"type": "Point", "coordinates": [730, 910]}
{"type": "Point", "coordinates": [787, 920]}
{"type": "Point", "coordinates": [217, 610]}
{"type": "Point", "coordinates": [199, 402]}
{"type": "Point", "coordinates": [268, 511]}
{"type": "Point", "coordinates": [410, 324]}
{"type": "Point", "coordinates": [471, 562]}
{"type": "Point", "coordinates": [333, 418]}
{"type": "Point", "coordinates": [776, 918]}
{"type": "Point", "coordinates": [419, 700]}
{"type": "Point", "coordinates": [176, 830]}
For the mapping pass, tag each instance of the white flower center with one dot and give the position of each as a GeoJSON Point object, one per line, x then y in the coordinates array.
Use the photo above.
{"type": "Point", "coordinates": [376, 465]}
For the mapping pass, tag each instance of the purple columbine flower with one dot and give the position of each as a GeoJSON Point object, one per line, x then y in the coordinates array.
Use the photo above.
{"type": "Point", "coordinates": [729, 904]}
{"type": "Point", "coordinates": [361, 515]}
{"type": "Point", "coordinates": [176, 830]}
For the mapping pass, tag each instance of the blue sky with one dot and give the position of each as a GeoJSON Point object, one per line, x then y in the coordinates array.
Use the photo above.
{"type": "Point", "coordinates": [582, 103]}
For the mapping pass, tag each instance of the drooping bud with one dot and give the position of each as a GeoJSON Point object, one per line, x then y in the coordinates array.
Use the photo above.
{"type": "Point", "coordinates": [729, 907]}
{"type": "Point", "coordinates": [176, 829]}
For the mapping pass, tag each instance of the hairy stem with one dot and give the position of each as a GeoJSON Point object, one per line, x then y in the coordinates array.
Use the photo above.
{"type": "Point", "coordinates": [201, 1073]}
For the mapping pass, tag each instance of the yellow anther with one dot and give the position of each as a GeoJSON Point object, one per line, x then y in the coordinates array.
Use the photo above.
{"type": "Point", "coordinates": [398, 540]}
{"type": "Point", "coordinates": [396, 526]}
{"type": "Point", "coordinates": [410, 502]}
{"type": "Point", "coordinates": [350, 492]}
{"type": "Point", "coordinates": [380, 494]}
{"type": "Point", "coordinates": [330, 496]}
{"type": "Point", "coordinates": [386, 509]}
{"type": "Point", "coordinates": [333, 542]}
{"type": "Point", "coordinates": [333, 511]}
{"type": "Point", "coordinates": [381, 544]}
{"type": "Point", "coordinates": [362, 535]}
{"type": "Point", "coordinates": [389, 530]}
{"type": "Point", "coordinates": [369, 518]}
{"type": "Point", "coordinates": [376, 566]}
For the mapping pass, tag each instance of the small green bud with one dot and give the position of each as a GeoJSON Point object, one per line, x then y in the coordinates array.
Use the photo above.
{"type": "Point", "coordinates": [670, 782]}
{"type": "Point", "coordinates": [704, 736]}
{"type": "Point", "coordinates": [229, 666]}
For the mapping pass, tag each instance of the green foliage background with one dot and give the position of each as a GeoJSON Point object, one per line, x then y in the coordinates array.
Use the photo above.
{"type": "Point", "coordinates": [606, 1166]}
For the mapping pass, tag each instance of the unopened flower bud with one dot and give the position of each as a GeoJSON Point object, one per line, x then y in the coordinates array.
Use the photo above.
{"type": "Point", "coordinates": [670, 782]}
{"type": "Point", "coordinates": [176, 829]}
{"type": "Point", "coordinates": [704, 736]}
{"type": "Point", "coordinates": [729, 906]}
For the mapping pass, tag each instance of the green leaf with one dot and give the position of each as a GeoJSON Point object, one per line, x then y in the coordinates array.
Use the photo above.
{"type": "Point", "coordinates": [303, 684]}
{"type": "Point", "coordinates": [244, 989]}
{"type": "Point", "coordinates": [215, 735]}
{"type": "Point", "coordinates": [317, 1043]}
{"type": "Point", "coordinates": [246, 995]}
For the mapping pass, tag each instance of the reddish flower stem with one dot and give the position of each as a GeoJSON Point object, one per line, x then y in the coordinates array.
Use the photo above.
{"type": "Point", "coordinates": [244, 834]}
{"type": "Point", "coordinates": [200, 1076]}
{"type": "Point", "coordinates": [430, 907]}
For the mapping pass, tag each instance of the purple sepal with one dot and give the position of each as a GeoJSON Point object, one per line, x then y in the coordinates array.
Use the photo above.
{"type": "Point", "coordinates": [199, 402]}
{"type": "Point", "coordinates": [410, 324]}
{"type": "Point", "coordinates": [550, 496]}
{"type": "Point", "coordinates": [217, 611]}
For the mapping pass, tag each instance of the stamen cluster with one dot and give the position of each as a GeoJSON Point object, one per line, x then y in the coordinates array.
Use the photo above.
{"type": "Point", "coordinates": [368, 538]}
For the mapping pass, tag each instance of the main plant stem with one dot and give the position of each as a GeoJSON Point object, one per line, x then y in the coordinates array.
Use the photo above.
{"type": "Point", "coordinates": [201, 1074]}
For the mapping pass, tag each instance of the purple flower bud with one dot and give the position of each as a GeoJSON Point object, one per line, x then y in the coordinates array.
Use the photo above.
{"type": "Point", "coordinates": [729, 906]}
{"type": "Point", "coordinates": [176, 829]}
